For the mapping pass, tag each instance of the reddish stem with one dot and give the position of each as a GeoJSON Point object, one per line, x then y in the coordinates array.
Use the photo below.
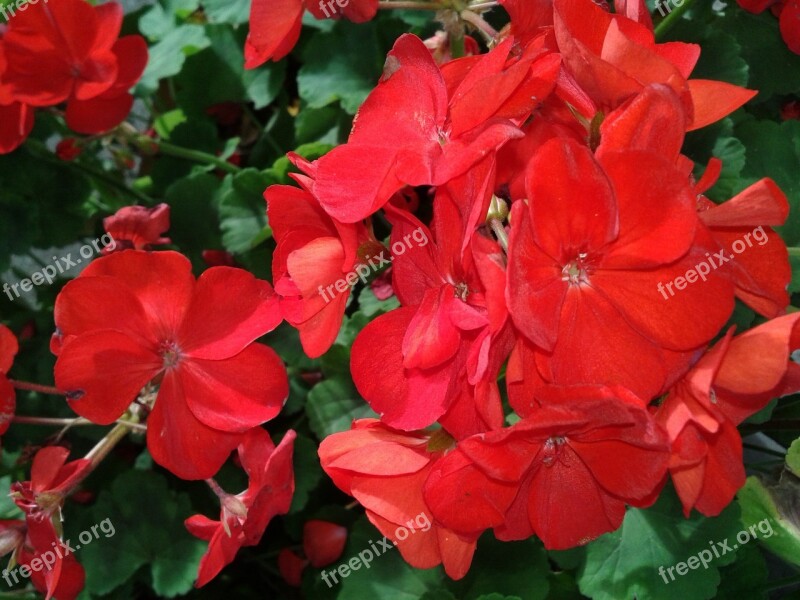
{"type": "Point", "coordinates": [36, 387]}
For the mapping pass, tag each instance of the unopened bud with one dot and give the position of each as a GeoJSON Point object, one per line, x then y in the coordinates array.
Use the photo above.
{"type": "Point", "coordinates": [498, 210]}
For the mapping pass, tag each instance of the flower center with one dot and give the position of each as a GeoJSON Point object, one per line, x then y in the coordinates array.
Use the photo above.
{"type": "Point", "coordinates": [170, 354]}
{"type": "Point", "coordinates": [576, 271]}
{"type": "Point", "coordinates": [552, 447]}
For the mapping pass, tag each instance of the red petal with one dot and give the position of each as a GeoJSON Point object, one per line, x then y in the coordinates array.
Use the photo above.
{"type": "Point", "coordinates": [181, 443]}
{"type": "Point", "coordinates": [714, 100]}
{"type": "Point", "coordinates": [229, 310]}
{"type": "Point", "coordinates": [103, 372]}
{"type": "Point", "coordinates": [238, 393]}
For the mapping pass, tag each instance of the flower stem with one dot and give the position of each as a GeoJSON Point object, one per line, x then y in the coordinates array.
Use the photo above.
{"type": "Point", "coordinates": [35, 387]}
{"type": "Point", "coordinates": [672, 18]}
{"type": "Point", "coordinates": [25, 420]}
{"type": "Point", "coordinates": [489, 32]}
{"type": "Point", "coordinates": [196, 156]}
{"type": "Point", "coordinates": [500, 232]}
{"type": "Point", "coordinates": [39, 150]}
{"type": "Point", "coordinates": [106, 445]}
{"type": "Point", "coordinates": [216, 488]}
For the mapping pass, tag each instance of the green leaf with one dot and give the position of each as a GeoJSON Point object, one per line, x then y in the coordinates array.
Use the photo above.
{"type": "Point", "coordinates": [768, 506]}
{"type": "Point", "coordinates": [307, 472]}
{"type": "Point", "coordinates": [217, 75]}
{"type": "Point", "coordinates": [513, 569]}
{"type": "Point", "coordinates": [332, 406]}
{"type": "Point", "coordinates": [371, 306]}
{"type": "Point", "coordinates": [149, 532]}
{"type": "Point", "coordinates": [242, 211]}
{"type": "Point", "coordinates": [793, 457]}
{"type": "Point", "coordinates": [773, 68]}
{"type": "Point", "coordinates": [193, 203]}
{"type": "Point", "coordinates": [627, 563]}
{"type": "Point", "coordinates": [347, 75]}
{"type": "Point", "coordinates": [746, 578]}
{"type": "Point", "coordinates": [227, 11]}
{"type": "Point", "coordinates": [773, 150]}
{"type": "Point", "coordinates": [168, 55]}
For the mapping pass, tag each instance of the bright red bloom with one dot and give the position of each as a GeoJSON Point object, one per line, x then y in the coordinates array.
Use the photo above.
{"type": "Point", "coordinates": [314, 264]}
{"type": "Point", "coordinates": [323, 542]}
{"type": "Point", "coordinates": [275, 24]}
{"type": "Point", "coordinates": [565, 473]}
{"type": "Point", "coordinates": [612, 57]}
{"type": "Point", "coordinates": [41, 498]}
{"type": "Point", "coordinates": [67, 50]}
{"type": "Point", "coordinates": [588, 259]}
{"type": "Point", "coordinates": [8, 397]}
{"type": "Point", "coordinates": [244, 517]}
{"type": "Point", "coordinates": [137, 227]}
{"type": "Point", "coordinates": [733, 380]}
{"type": "Point", "coordinates": [790, 24]}
{"type": "Point", "coordinates": [443, 123]}
{"type": "Point", "coordinates": [385, 471]}
{"type": "Point", "coordinates": [760, 266]}
{"type": "Point", "coordinates": [441, 352]}
{"type": "Point", "coordinates": [133, 318]}
{"type": "Point", "coordinates": [16, 118]}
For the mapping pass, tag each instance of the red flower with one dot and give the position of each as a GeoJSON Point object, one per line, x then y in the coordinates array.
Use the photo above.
{"type": "Point", "coordinates": [442, 351]}
{"type": "Point", "coordinates": [443, 123]}
{"type": "Point", "coordinates": [67, 50]}
{"type": "Point", "coordinates": [588, 258]}
{"type": "Point", "coordinates": [790, 24]}
{"type": "Point", "coordinates": [314, 265]}
{"type": "Point", "coordinates": [16, 118]}
{"type": "Point", "coordinates": [275, 24]}
{"type": "Point", "coordinates": [760, 266]}
{"type": "Point", "coordinates": [385, 471]}
{"type": "Point", "coordinates": [134, 318]}
{"type": "Point", "coordinates": [8, 397]}
{"type": "Point", "coordinates": [611, 58]}
{"type": "Point", "coordinates": [244, 517]}
{"type": "Point", "coordinates": [732, 381]}
{"type": "Point", "coordinates": [565, 473]}
{"type": "Point", "coordinates": [137, 227]}
{"type": "Point", "coordinates": [41, 498]}
{"type": "Point", "coordinates": [323, 542]}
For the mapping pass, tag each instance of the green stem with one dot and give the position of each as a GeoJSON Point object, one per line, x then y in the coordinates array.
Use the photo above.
{"type": "Point", "coordinates": [389, 5]}
{"type": "Point", "coordinates": [500, 232]}
{"type": "Point", "coordinates": [196, 156]}
{"type": "Point", "coordinates": [672, 18]}
{"type": "Point", "coordinates": [37, 148]}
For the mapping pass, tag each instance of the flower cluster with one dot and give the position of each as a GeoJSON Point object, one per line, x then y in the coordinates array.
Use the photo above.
{"type": "Point", "coordinates": [67, 51]}
{"type": "Point", "coordinates": [140, 341]}
{"type": "Point", "coordinates": [788, 11]}
{"type": "Point", "coordinates": [575, 120]}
